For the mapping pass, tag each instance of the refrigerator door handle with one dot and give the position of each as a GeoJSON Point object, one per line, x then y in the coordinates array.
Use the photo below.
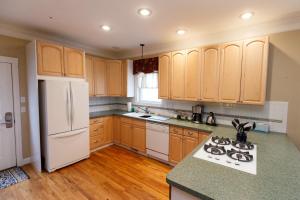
{"type": "Point", "coordinates": [72, 105]}
{"type": "Point", "coordinates": [67, 107]}
{"type": "Point", "coordinates": [69, 134]}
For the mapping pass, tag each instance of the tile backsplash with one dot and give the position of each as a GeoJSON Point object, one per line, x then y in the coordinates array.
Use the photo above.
{"type": "Point", "coordinates": [273, 113]}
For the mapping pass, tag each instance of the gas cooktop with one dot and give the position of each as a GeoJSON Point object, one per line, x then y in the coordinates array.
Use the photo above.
{"type": "Point", "coordinates": [230, 153]}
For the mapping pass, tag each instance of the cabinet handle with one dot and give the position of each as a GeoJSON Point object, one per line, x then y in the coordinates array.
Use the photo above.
{"type": "Point", "coordinates": [96, 130]}
{"type": "Point", "coordinates": [190, 133]}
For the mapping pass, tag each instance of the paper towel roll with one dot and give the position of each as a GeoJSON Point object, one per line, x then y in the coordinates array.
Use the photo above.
{"type": "Point", "coordinates": [129, 106]}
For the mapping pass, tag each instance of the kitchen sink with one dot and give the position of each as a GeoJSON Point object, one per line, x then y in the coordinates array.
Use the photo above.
{"type": "Point", "coordinates": [146, 116]}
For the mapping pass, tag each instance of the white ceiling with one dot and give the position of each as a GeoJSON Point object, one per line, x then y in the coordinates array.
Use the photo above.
{"type": "Point", "coordinates": [80, 20]}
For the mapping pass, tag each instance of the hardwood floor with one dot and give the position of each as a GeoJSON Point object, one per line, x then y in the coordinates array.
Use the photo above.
{"type": "Point", "coordinates": [110, 173]}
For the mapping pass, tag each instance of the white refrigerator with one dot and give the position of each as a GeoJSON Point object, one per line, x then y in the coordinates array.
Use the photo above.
{"type": "Point", "coordinates": [64, 113]}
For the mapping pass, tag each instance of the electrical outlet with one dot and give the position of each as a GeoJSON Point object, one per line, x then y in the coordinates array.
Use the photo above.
{"type": "Point", "coordinates": [23, 99]}
{"type": "Point", "coordinates": [23, 109]}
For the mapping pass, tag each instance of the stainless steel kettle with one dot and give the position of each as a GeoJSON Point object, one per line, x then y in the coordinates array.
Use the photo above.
{"type": "Point", "coordinates": [211, 119]}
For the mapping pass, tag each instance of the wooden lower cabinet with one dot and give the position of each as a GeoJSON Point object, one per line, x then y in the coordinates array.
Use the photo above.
{"type": "Point", "coordinates": [175, 151]}
{"type": "Point", "coordinates": [139, 138]}
{"type": "Point", "coordinates": [133, 134]}
{"type": "Point", "coordinates": [101, 132]}
{"type": "Point", "coordinates": [116, 130]}
{"type": "Point", "coordinates": [182, 142]}
{"type": "Point", "coordinates": [126, 134]}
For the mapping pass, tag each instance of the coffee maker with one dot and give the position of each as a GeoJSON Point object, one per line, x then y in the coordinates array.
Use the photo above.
{"type": "Point", "coordinates": [197, 114]}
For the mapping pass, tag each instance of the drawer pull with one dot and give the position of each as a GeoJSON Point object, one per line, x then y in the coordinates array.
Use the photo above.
{"type": "Point", "coordinates": [190, 133]}
{"type": "Point", "coordinates": [96, 129]}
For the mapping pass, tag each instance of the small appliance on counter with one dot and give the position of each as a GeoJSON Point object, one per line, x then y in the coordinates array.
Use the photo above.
{"type": "Point", "coordinates": [197, 114]}
{"type": "Point", "coordinates": [211, 119]}
{"type": "Point", "coordinates": [242, 129]}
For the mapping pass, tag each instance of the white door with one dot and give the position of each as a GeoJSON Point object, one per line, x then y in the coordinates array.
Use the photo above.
{"type": "Point", "coordinates": [80, 105]}
{"type": "Point", "coordinates": [58, 106]}
{"type": "Point", "coordinates": [7, 132]}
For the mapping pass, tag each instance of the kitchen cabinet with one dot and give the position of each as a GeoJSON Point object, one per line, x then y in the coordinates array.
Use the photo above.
{"type": "Point", "coordinates": [230, 72]}
{"type": "Point", "coordinates": [116, 130]}
{"type": "Point", "coordinates": [175, 145]}
{"type": "Point", "coordinates": [101, 132]}
{"type": "Point", "coordinates": [210, 73]}
{"type": "Point", "coordinates": [192, 74]}
{"type": "Point", "coordinates": [114, 77]}
{"type": "Point", "coordinates": [133, 133]}
{"type": "Point", "coordinates": [50, 59]}
{"type": "Point", "coordinates": [254, 71]}
{"type": "Point", "coordinates": [99, 66]}
{"type": "Point", "coordinates": [74, 63]}
{"type": "Point", "coordinates": [178, 75]}
{"type": "Point", "coordinates": [183, 141]}
{"type": "Point", "coordinates": [90, 74]}
{"type": "Point", "coordinates": [164, 70]}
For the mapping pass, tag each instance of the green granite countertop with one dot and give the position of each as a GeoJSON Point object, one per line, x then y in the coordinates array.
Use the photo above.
{"type": "Point", "coordinates": [174, 122]}
{"type": "Point", "coordinates": [278, 168]}
{"type": "Point", "coordinates": [278, 172]}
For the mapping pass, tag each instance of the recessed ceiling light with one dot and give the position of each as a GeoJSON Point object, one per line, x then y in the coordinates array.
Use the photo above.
{"type": "Point", "coordinates": [144, 12]}
{"type": "Point", "coordinates": [247, 15]}
{"type": "Point", "coordinates": [50, 17]}
{"type": "Point", "coordinates": [106, 28]}
{"type": "Point", "coordinates": [180, 32]}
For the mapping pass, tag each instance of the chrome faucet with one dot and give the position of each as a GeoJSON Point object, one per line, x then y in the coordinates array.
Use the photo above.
{"type": "Point", "coordinates": [145, 109]}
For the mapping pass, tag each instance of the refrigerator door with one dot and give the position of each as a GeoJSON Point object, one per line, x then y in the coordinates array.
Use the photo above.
{"type": "Point", "coordinates": [58, 106]}
{"type": "Point", "coordinates": [79, 105]}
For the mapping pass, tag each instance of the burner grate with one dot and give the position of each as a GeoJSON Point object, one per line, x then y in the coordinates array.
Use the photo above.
{"type": "Point", "coordinates": [221, 140]}
{"type": "Point", "coordinates": [239, 155]}
{"type": "Point", "coordinates": [214, 149]}
{"type": "Point", "coordinates": [243, 146]}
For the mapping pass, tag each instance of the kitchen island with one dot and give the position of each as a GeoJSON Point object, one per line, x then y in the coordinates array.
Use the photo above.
{"type": "Point", "coordinates": [278, 172]}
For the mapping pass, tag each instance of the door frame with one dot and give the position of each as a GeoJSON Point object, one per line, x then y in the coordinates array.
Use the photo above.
{"type": "Point", "coordinates": [17, 107]}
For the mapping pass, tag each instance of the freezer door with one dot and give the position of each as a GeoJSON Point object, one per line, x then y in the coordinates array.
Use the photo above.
{"type": "Point", "coordinates": [79, 105]}
{"type": "Point", "coordinates": [58, 106]}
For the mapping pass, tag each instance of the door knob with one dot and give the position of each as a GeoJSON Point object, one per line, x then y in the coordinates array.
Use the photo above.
{"type": "Point", "coordinates": [8, 120]}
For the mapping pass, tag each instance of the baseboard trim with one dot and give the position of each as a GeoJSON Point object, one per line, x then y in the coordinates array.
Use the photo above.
{"type": "Point", "coordinates": [102, 147]}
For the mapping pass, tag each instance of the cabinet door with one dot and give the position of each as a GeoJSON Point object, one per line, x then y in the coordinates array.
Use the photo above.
{"type": "Point", "coordinates": [178, 74]}
{"type": "Point", "coordinates": [108, 130]}
{"type": "Point", "coordinates": [74, 63]}
{"type": "Point", "coordinates": [116, 130]}
{"type": "Point", "coordinates": [114, 77]}
{"type": "Point", "coordinates": [164, 70]}
{"type": "Point", "coordinates": [126, 134]}
{"type": "Point", "coordinates": [139, 138]}
{"type": "Point", "coordinates": [202, 137]}
{"type": "Point", "coordinates": [175, 153]}
{"type": "Point", "coordinates": [192, 75]}
{"type": "Point", "coordinates": [210, 73]}
{"type": "Point", "coordinates": [188, 145]}
{"type": "Point", "coordinates": [254, 70]}
{"type": "Point", "coordinates": [230, 72]}
{"type": "Point", "coordinates": [99, 67]}
{"type": "Point", "coordinates": [90, 74]}
{"type": "Point", "coordinates": [50, 59]}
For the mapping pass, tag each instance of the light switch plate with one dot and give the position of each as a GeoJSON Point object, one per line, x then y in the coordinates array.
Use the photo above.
{"type": "Point", "coordinates": [23, 109]}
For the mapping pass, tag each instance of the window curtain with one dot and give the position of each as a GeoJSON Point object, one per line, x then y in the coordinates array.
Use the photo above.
{"type": "Point", "coordinates": [145, 66]}
{"type": "Point", "coordinates": [148, 80]}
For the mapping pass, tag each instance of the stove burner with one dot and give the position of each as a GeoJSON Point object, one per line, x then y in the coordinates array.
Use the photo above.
{"type": "Point", "coordinates": [239, 155]}
{"type": "Point", "coordinates": [243, 146]}
{"type": "Point", "coordinates": [221, 140]}
{"type": "Point", "coordinates": [214, 149]}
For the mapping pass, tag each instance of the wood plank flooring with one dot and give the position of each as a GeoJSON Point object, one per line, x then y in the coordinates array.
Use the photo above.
{"type": "Point", "coordinates": [109, 174]}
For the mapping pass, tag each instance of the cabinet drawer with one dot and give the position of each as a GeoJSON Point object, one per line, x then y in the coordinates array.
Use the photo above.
{"type": "Point", "coordinates": [96, 120]}
{"type": "Point", "coordinates": [190, 133]}
{"type": "Point", "coordinates": [141, 123]}
{"type": "Point", "coordinates": [176, 130]}
{"type": "Point", "coordinates": [126, 120]}
{"type": "Point", "coordinates": [96, 141]}
{"type": "Point", "coordinates": [96, 129]}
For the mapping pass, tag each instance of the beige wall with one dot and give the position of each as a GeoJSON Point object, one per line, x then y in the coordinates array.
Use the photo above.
{"type": "Point", "coordinates": [13, 47]}
{"type": "Point", "coordinates": [284, 77]}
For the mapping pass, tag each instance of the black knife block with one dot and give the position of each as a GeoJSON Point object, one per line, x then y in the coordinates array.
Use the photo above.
{"type": "Point", "coordinates": [241, 137]}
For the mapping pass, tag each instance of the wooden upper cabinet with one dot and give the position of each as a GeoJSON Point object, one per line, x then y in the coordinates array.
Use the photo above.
{"type": "Point", "coordinates": [50, 59]}
{"type": "Point", "coordinates": [178, 74]}
{"type": "Point", "coordinates": [74, 63]}
{"type": "Point", "coordinates": [164, 70]}
{"type": "Point", "coordinates": [254, 70]}
{"type": "Point", "coordinates": [90, 74]}
{"type": "Point", "coordinates": [114, 77]}
{"type": "Point", "coordinates": [192, 74]}
{"type": "Point", "coordinates": [99, 66]}
{"type": "Point", "coordinates": [230, 72]}
{"type": "Point", "coordinates": [210, 73]}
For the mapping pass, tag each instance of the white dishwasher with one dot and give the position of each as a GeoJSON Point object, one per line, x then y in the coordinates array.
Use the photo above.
{"type": "Point", "coordinates": [157, 140]}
